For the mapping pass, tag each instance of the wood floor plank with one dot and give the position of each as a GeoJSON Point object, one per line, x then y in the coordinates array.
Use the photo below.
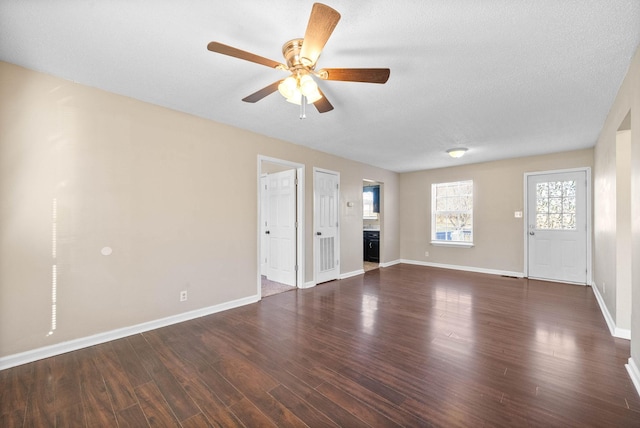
{"type": "Point", "coordinates": [255, 385]}
{"type": "Point", "coordinates": [71, 416]}
{"type": "Point", "coordinates": [116, 378]}
{"type": "Point", "coordinates": [156, 410]}
{"type": "Point", "coordinates": [95, 398]}
{"type": "Point", "coordinates": [131, 417]}
{"type": "Point", "coordinates": [381, 405]}
{"type": "Point", "coordinates": [250, 415]}
{"type": "Point", "coordinates": [41, 406]}
{"type": "Point", "coordinates": [300, 407]}
{"type": "Point", "coordinates": [67, 384]}
{"type": "Point", "coordinates": [197, 421]}
{"type": "Point", "coordinates": [398, 346]}
{"type": "Point", "coordinates": [214, 410]}
{"type": "Point", "coordinates": [356, 407]}
{"type": "Point", "coordinates": [221, 387]}
{"type": "Point", "coordinates": [171, 390]}
{"type": "Point", "coordinates": [130, 362]}
{"type": "Point", "coordinates": [16, 419]}
{"type": "Point", "coordinates": [16, 388]}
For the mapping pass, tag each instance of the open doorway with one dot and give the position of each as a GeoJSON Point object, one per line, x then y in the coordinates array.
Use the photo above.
{"type": "Point", "coordinates": [371, 221]}
{"type": "Point", "coordinates": [280, 196]}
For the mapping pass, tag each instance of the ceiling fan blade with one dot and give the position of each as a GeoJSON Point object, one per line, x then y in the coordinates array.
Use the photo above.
{"type": "Point", "coordinates": [323, 105]}
{"type": "Point", "coordinates": [322, 21]}
{"type": "Point", "coordinates": [366, 75]}
{"type": "Point", "coordinates": [247, 56]}
{"type": "Point", "coordinates": [267, 90]}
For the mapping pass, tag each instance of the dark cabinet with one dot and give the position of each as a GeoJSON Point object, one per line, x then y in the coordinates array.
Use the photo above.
{"type": "Point", "coordinates": [371, 246]}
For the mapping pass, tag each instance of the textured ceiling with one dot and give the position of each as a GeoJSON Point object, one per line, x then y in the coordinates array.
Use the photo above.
{"type": "Point", "coordinates": [504, 78]}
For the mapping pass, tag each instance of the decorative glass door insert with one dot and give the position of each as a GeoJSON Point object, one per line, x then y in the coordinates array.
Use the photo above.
{"type": "Point", "coordinates": [556, 205]}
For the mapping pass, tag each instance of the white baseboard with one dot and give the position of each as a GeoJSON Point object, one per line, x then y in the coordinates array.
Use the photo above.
{"type": "Point", "coordinates": [464, 268]}
{"type": "Point", "coordinates": [387, 264]}
{"type": "Point", "coordinates": [634, 373]}
{"type": "Point", "coordinates": [615, 331]}
{"type": "Point", "coordinates": [350, 274]}
{"type": "Point", "coordinates": [308, 284]}
{"type": "Point", "coordinates": [84, 342]}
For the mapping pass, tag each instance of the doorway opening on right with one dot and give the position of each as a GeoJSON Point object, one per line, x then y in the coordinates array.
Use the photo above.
{"type": "Point", "coordinates": [371, 221]}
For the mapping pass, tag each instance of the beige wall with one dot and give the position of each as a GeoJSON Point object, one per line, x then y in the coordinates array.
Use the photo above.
{"type": "Point", "coordinates": [173, 195]}
{"type": "Point", "coordinates": [498, 193]}
{"type": "Point", "coordinates": [606, 229]}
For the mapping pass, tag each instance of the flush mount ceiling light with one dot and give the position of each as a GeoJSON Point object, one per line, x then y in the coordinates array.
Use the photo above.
{"type": "Point", "coordinates": [457, 153]}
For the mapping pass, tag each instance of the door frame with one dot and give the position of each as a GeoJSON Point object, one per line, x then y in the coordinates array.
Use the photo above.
{"type": "Point", "coordinates": [300, 195]}
{"type": "Point", "coordinates": [589, 231]}
{"type": "Point", "coordinates": [337, 240]}
{"type": "Point", "coordinates": [380, 214]}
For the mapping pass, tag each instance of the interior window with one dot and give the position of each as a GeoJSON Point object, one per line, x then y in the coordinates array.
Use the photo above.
{"type": "Point", "coordinates": [452, 212]}
{"type": "Point", "coordinates": [371, 202]}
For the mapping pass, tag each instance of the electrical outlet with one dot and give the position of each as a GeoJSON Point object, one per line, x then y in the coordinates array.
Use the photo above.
{"type": "Point", "coordinates": [183, 295]}
{"type": "Point", "coordinates": [426, 254]}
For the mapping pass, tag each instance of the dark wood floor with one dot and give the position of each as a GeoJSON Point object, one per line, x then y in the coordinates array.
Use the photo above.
{"type": "Point", "coordinates": [400, 346]}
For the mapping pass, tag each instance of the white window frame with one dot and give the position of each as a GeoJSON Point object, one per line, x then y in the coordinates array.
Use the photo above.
{"type": "Point", "coordinates": [444, 242]}
{"type": "Point", "coordinates": [370, 215]}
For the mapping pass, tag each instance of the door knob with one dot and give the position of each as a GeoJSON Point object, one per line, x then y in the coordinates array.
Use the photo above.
{"type": "Point", "coordinates": [318, 233]}
{"type": "Point", "coordinates": [532, 233]}
{"type": "Point", "coordinates": [267, 232]}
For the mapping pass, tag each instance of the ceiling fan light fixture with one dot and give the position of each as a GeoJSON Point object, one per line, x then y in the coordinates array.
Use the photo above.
{"type": "Point", "coordinates": [301, 56]}
{"type": "Point", "coordinates": [288, 87]}
{"type": "Point", "coordinates": [295, 98]}
{"type": "Point", "coordinates": [314, 96]}
{"type": "Point", "coordinates": [308, 86]}
{"type": "Point", "coordinates": [457, 152]}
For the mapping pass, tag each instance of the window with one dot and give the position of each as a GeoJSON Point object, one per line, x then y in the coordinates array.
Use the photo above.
{"type": "Point", "coordinates": [556, 205]}
{"type": "Point", "coordinates": [371, 202]}
{"type": "Point", "coordinates": [452, 213]}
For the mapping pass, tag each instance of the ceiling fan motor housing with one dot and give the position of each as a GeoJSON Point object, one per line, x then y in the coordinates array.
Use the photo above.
{"type": "Point", "coordinates": [291, 52]}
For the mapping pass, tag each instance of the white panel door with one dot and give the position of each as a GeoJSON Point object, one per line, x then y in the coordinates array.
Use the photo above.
{"type": "Point", "coordinates": [281, 227]}
{"type": "Point", "coordinates": [557, 226]}
{"type": "Point", "coordinates": [325, 211]}
{"type": "Point", "coordinates": [264, 237]}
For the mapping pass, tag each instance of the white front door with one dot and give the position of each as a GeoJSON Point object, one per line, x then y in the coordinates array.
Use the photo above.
{"type": "Point", "coordinates": [325, 219]}
{"type": "Point", "coordinates": [557, 226]}
{"type": "Point", "coordinates": [281, 227]}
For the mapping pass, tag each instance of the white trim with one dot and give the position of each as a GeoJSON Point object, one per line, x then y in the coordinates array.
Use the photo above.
{"type": "Point", "coordinates": [463, 268]}
{"type": "Point", "coordinates": [350, 274]}
{"type": "Point", "coordinates": [300, 195]}
{"type": "Point", "coordinates": [458, 244]}
{"type": "Point", "coordinates": [309, 284]}
{"type": "Point", "coordinates": [615, 331]}
{"type": "Point", "coordinates": [587, 171]}
{"type": "Point", "coordinates": [96, 339]}
{"type": "Point", "coordinates": [391, 263]}
{"type": "Point", "coordinates": [634, 374]}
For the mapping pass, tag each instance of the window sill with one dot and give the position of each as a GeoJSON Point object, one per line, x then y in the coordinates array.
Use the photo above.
{"type": "Point", "coordinates": [452, 244]}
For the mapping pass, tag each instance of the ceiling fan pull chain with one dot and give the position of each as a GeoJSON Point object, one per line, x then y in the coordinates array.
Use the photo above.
{"type": "Point", "coordinates": [303, 103]}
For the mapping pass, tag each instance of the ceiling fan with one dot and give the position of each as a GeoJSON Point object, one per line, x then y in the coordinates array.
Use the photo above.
{"type": "Point", "coordinates": [301, 56]}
